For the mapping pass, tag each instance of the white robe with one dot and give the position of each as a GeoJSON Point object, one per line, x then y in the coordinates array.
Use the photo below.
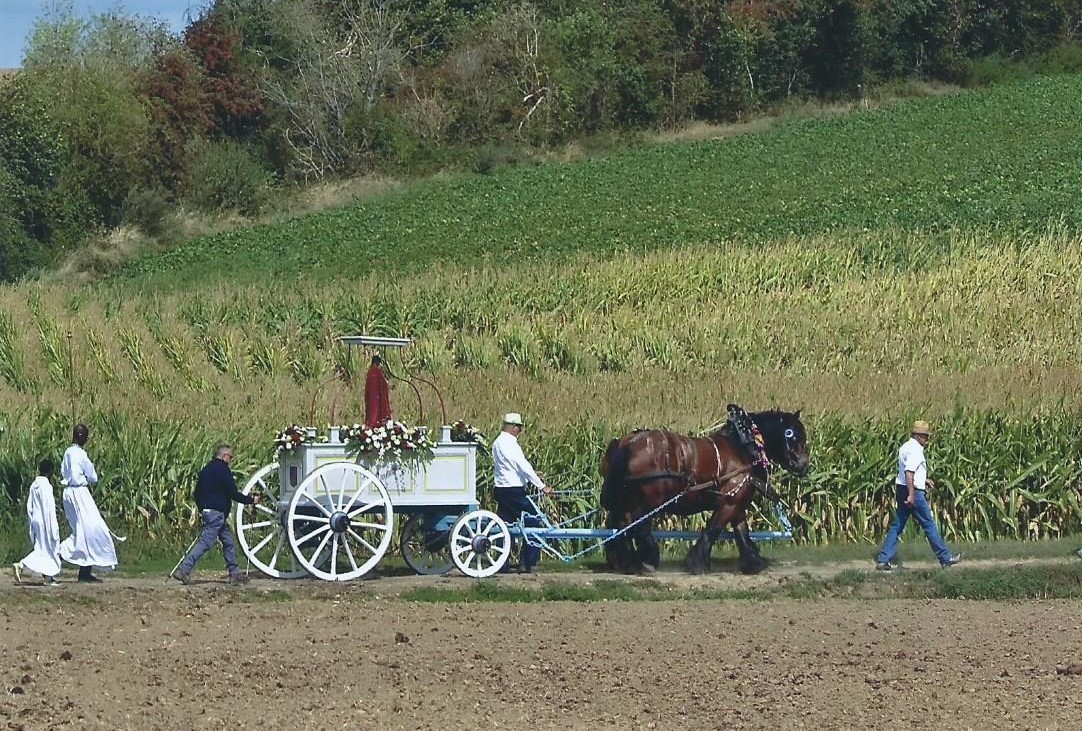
{"type": "Point", "coordinates": [44, 530]}
{"type": "Point", "coordinates": [91, 541]}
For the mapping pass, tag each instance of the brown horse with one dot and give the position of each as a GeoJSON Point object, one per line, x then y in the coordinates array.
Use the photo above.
{"type": "Point", "coordinates": [719, 472]}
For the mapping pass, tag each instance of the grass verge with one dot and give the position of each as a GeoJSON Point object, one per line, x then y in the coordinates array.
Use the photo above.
{"type": "Point", "coordinates": [1006, 583]}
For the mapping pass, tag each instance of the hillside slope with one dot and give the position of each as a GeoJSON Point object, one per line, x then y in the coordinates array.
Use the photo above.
{"type": "Point", "coordinates": [1006, 158]}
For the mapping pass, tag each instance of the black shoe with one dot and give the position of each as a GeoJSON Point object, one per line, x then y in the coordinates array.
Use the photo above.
{"type": "Point", "coordinates": [181, 577]}
{"type": "Point", "coordinates": [237, 579]}
{"type": "Point", "coordinates": [525, 569]}
{"type": "Point", "coordinates": [956, 558]}
{"type": "Point", "coordinates": [884, 566]}
{"type": "Point", "coordinates": [89, 579]}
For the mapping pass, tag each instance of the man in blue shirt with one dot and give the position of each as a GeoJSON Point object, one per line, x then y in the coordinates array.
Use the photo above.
{"type": "Point", "coordinates": [214, 494]}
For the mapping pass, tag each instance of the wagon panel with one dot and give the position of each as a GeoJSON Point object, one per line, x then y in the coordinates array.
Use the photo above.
{"type": "Point", "coordinates": [449, 480]}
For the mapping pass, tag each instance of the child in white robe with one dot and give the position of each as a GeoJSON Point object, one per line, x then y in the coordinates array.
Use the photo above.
{"type": "Point", "coordinates": [44, 529]}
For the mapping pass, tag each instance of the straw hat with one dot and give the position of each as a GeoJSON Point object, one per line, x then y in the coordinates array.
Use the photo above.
{"type": "Point", "coordinates": [513, 418]}
{"type": "Point", "coordinates": [920, 426]}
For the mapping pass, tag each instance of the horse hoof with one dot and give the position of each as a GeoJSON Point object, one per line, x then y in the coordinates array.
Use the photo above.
{"type": "Point", "coordinates": [753, 567]}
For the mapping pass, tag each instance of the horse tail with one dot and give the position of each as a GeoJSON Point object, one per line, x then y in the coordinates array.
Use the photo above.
{"type": "Point", "coordinates": [614, 470]}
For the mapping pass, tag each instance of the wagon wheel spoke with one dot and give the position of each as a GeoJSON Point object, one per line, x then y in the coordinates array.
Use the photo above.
{"type": "Point", "coordinates": [323, 544]}
{"type": "Point", "coordinates": [371, 526]}
{"type": "Point", "coordinates": [261, 508]}
{"type": "Point", "coordinates": [334, 556]}
{"type": "Point", "coordinates": [363, 509]}
{"type": "Point", "coordinates": [269, 537]}
{"type": "Point", "coordinates": [341, 490]}
{"type": "Point", "coordinates": [361, 540]}
{"type": "Point", "coordinates": [348, 507]}
{"type": "Point", "coordinates": [325, 528]}
{"type": "Point", "coordinates": [327, 492]}
{"type": "Point", "coordinates": [349, 553]}
{"type": "Point", "coordinates": [261, 524]}
{"type": "Point", "coordinates": [278, 552]}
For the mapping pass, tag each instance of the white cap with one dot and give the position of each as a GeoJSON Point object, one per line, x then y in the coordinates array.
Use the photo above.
{"type": "Point", "coordinates": [513, 417]}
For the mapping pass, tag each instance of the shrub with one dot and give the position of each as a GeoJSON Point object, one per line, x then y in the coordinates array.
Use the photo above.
{"type": "Point", "coordinates": [227, 177]}
{"type": "Point", "coordinates": [149, 209]}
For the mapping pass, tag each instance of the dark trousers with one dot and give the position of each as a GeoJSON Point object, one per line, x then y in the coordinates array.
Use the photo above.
{"type": "Point", "coordinates": [215, 528]}
{"type": "Point", "coordinates": [511, 504]}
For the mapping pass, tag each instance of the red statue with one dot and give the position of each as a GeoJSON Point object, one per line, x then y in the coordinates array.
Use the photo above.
{"type": "Point", "coordinates": [377, 395]}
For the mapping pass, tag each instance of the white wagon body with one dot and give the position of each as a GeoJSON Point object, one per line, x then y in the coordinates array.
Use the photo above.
{"type": "Point", "coordinates": [449, 480]}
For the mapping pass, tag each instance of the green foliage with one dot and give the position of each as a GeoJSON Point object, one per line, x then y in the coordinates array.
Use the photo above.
{"type": "Point", "coordinates": [956, 162]}
{"type": "Point", "coordinates": [39, 214]}
{"type": "Point", "coordinates": [226, 176]}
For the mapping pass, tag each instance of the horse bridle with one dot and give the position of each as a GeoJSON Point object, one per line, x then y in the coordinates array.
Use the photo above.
{"type": "Point", "coordinates": [789, 439]}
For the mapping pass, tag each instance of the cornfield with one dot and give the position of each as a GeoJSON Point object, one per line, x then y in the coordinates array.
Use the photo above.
{"type": "Point", "coordinates": [973, 330]}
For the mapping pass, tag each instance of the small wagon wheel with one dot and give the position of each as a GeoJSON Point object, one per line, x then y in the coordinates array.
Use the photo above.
{"type": "Point", "coordinates": [260, 532]}
{"type": "Point", "coordinates": [340, 521]}
{"type": "Point", "coordinates": [480, 543]}
{"type": "Point", "coordinates": [425, 550]}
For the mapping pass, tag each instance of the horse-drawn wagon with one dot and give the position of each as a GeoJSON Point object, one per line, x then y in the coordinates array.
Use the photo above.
{"type": "Point", "coordinates": [329, 506]}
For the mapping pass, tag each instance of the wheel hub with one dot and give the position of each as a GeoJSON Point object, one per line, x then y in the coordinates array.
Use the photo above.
{"type": "Point", "coordinates": [339, 522]}
{"type": "Point", "coordinates": [480, 544]}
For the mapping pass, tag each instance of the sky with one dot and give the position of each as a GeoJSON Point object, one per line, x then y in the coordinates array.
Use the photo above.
{"type": "Point", "coordinates": [17, 18]}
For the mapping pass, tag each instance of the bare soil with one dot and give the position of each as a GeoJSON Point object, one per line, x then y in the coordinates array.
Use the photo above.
{"type": "Point", "coordinates": [148, 653]}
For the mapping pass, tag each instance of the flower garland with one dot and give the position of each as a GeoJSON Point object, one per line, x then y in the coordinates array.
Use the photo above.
{"type": "Point", "coordinates": [389, 442]}
{"type": "Point", "coordinates": [463, 432]}
{"type": "Point", "coordinates": [290, 438]}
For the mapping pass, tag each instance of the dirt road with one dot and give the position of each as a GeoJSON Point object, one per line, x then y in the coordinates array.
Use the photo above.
{"type": "Point", "coordinates": [148, 654]}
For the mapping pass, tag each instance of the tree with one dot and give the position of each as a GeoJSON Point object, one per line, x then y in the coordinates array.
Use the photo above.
{"type": "Point", "coordinates": [85, 73]}
{"type": "Point", "coordinates": [322, 64]}
{"type": "Point", "coordinates": [235, 102]}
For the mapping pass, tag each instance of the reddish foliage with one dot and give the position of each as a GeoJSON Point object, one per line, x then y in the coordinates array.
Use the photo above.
{"type": "Point", "coordinates": [236, 102]}
{"type": "Point", "coordinates": [175, 90]}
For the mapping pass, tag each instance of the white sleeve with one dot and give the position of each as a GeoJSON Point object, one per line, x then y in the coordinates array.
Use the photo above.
{"type": "Point", "coordinates": [89, 472]}
{"type": "Point", "coordinates": [525, 469]}
{"type": "Point", "coordinates": [911, 460]}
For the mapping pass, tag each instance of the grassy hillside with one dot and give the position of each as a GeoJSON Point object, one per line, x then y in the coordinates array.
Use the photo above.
{"type": "Point", "coordinates": [923, 259]}
{"type": "Point", "coordinates": [1004, 158]}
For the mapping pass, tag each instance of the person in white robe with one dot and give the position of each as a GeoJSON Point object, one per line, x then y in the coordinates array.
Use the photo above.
{"type": "Point", "coordinates": [44, 560]}
{"type": "Point", "coordinates": [90, 544]}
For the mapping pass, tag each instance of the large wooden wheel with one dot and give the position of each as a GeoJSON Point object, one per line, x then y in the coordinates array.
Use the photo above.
{"type": "Point", "coordinates": [340, 521]}
{"type": "Point", "coordinates": [425, 550]}
{"type": "Point", "coordinates": [260, 528]}
{"type": "Point", "coordinates": [480, 543]}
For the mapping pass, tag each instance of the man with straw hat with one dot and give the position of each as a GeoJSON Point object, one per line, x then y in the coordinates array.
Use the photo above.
{"type": "Point", "coordinates": [910, 486]}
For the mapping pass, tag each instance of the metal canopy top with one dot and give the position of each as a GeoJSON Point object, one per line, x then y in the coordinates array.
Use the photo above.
{"type": "Point", "coordinates": [372, 340]}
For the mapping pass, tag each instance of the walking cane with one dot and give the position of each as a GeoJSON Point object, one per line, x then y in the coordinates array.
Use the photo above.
{"type": "Point", "coordinates": [185, 554]}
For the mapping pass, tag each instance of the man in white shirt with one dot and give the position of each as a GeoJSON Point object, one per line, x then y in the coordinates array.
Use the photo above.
{"type": "Point", "coordinates": [512, 472]}
{"type": "Point", "coordinates": [91, 542]}
{"type": "Point", "coordinates": [910, 486]}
